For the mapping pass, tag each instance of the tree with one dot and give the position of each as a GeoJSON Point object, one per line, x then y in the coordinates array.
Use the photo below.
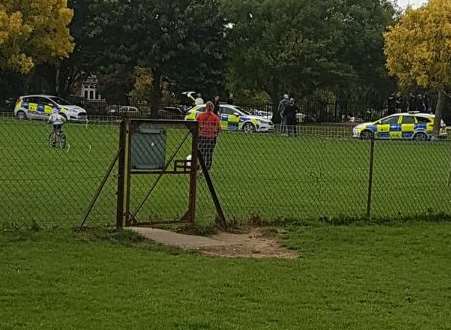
{"type": "Point", "coordinates": [180, 41]}
{"type": "Point", "coordinates": [418, 50]}
{"type": "Point", "coordinates": [33, 32]}
{"type": "Point", "coordinates": [305, 46]}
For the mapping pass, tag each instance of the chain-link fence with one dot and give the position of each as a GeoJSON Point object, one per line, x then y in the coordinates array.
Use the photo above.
{"type": "Point", "coordinates": [314, 172]}
{"type": "Point", "coordinates": [51, 185]}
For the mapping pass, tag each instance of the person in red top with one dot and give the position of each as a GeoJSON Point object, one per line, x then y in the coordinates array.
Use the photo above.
{"type": "Point", "coordinates": [209, 127]}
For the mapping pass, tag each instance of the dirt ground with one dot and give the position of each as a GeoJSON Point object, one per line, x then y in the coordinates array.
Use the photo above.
{"type": "Point", "coordinates": [254, 244]}
{"type": "Point", "coordinates": [251, 243]}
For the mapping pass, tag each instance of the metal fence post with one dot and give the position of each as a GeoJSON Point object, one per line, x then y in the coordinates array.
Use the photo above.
{"type": "Point", "coordinates": [123, 176]}
{"type": "Point", "coordinates": [370, 179]}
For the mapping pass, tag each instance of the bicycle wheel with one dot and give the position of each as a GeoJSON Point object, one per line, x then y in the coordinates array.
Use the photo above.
{"type": "Point", "coordinates": [62, 140]}
{"type": "Point", "coordinates": [51, 141]}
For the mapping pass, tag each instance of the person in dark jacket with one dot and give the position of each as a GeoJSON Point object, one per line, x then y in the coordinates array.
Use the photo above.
{"type": "Point", "coordinates": [279, 114]}
{"type": "Point", "coordinates": [290, 115]}
{"type": "Point", "coordinates": [216, 103]}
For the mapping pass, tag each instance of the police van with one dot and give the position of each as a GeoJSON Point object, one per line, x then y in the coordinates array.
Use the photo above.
{"type": "Point", "coordinates": [407, 126]}
{"type": "Point", "coordinates": [42, 106]}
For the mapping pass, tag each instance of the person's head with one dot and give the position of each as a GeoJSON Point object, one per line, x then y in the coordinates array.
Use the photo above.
{"type": "Point", "coordinates": [292, 100]}
{"type": "Point", "coordinates": [209, 107]}
{"type": "Point", "coordinates": [199, 95]}
{"type": "Point", "coordinates": [217, 98]}
{"type": "Point", "coordinates": [286, 97]}
{"type": "Point", "coordinates": [56, 110]}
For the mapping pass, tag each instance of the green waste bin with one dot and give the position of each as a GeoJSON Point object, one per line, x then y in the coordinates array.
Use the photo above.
{"type": "Point", "coordinates": [148, 148]}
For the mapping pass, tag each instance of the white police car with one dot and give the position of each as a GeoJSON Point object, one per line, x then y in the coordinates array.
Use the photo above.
{"type": "Point", "coordinates": [234, 118]}
{"type": "Point", "coordinates": [408, 126]}
{"type": "Point", "coordinates": [42, 106]}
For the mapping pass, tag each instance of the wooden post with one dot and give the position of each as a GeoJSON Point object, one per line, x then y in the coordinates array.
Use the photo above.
{"type": "Point", "coordinates": [190, 215]}
{"type": "Point", "coordinates": [123, 180]}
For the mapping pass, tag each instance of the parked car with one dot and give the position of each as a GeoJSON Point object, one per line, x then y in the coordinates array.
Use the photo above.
{"type": "Point", "coordinates": [120, 109]}
{"type": "Point", "coordinates": [410, 126]}
{"type": "Point", "coordinates": [42, 106]}
{"type": "Point", "coordinates": [172, 113]}
{"type": "Point", "coordinates": [234, 118]}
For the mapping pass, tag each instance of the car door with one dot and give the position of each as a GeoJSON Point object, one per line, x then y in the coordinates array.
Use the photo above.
{"type": "Point", "coordinates": [31, 105]}
{"type": "Point", "coordinates": [389, 128]}
{"type": "Point", "coordinates": [408, 123]}
{"type": "Point", "coordinates": [42, 104]}
{"type": "Point", "coordinates": [229, 119]}
{"type": "Point", "coordinates": [49, 106]}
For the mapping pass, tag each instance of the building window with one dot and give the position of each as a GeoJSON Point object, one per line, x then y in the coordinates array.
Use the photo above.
{"type": "Point", "coordinates": [86, 94]}
{"type": "Point", "coordinates": [91, 94]}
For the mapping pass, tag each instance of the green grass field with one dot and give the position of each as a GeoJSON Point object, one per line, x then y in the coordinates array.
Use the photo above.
{"type": "Point", "coordinates": [268, 177]}
{"type": "Point", "coordinates": [357, 276]}
{"type": "Point", "coordinates": [348, 277]}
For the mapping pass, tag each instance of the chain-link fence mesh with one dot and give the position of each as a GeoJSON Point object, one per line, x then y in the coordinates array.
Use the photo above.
{"type": "Point", "coordinates": [50, 185]}
{"type": "Point", "coordinates": [314, 172]}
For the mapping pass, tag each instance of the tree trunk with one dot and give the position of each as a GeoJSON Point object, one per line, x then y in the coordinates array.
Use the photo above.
{"type": "Point", "coordinates": [156, 94]}
{"type": "Point", "coordinates": [439, 113]}
{"type": "Point", "coordinates": [57, 78]}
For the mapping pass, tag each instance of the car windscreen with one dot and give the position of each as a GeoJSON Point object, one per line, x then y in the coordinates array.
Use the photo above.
{"type": "Point", "coordinates": [242, 111]}
{"type": "Point", "coordinates": [59, 100]}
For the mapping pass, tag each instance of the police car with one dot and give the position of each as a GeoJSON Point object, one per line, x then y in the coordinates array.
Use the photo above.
{"type": "Point", "coordinates": [234, 118]}
{"type": "Point", "coordinates": [407, 126]}
{"type": "Point", "coordinates": [42, 106]}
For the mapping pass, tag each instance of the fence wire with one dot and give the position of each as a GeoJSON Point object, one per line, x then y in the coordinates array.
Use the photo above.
{"type": "Point", "coordinates": [52, 186]}
{"type": "Point", "coordinates": [312, 173]}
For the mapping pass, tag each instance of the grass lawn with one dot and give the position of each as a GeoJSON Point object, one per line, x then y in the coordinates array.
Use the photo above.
{"type": "Point", "coordinates": [353, 277]}
{"type": "Point", "coordinates": [260, 176]}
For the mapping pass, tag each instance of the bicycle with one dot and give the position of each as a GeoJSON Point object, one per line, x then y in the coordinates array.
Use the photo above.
{"type": "Point", "coordinates": [57, 139]}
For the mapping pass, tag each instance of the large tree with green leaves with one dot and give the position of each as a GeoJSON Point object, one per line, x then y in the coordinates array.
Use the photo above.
{"type": "Point", "coordinates": [180, 41]}
{"type": "Point", "coordinates": [302, 45]}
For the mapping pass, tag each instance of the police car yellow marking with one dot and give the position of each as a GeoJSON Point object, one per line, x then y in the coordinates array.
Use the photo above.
{"type": "Point", "coordinates": [383, 128]}
{"type": "Point", "coordinates": [408, 128]}
{"type": "Point", "coordinates": [32, 107]}
{"type": "Point", "coordinates": [48, 109]}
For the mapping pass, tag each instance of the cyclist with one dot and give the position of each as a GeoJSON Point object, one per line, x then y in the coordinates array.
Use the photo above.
{"type": "Point", "coordinates": [57, 121]}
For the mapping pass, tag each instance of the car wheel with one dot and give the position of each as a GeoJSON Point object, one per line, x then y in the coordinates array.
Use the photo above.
{"type": "Point", "coordinates": [420, 137]}
{"type": "Point", "coordinates": [366, 135]}
{"type": "Point", "coordinates": [249, 128]}
{"type": "Point", "coordinates": [21, 115]}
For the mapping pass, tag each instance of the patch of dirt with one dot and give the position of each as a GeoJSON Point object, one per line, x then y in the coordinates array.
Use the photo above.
{"type": "Point", "coordinates": [253, 244]}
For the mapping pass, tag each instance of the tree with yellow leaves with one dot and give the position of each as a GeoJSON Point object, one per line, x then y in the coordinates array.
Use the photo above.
{"type": "Point", "coordinates": [33, 32]}
{"type": "Point", "coordinates": [418, 50]}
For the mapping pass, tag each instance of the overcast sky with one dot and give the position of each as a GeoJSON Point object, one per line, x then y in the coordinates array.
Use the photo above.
{"type": "Point", "coordinates": [414, 3]}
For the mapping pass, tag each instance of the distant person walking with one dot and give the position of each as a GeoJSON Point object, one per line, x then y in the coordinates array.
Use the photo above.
{"type": "Point", "coordinates": [209, 127]}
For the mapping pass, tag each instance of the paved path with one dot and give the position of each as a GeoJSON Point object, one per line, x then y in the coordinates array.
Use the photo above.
{"type": "Point", "coordinates": [179, 240]}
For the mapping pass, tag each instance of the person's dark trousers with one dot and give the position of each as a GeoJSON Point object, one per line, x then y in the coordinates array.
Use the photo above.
{"type": "Point", "coordinates": [206, 147]}
{"type": "Point", "coordinates": [292, 125]}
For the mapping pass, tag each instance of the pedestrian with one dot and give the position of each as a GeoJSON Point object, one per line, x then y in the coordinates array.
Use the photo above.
{"type": "Point", "coordinates": [279, 115]}
{"type": "Point", "coordinates": [216, 102]}
{"type": "Point", "coordinates": [290, 114]}
{"type": "Point", "coordinates": [209, 127]}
